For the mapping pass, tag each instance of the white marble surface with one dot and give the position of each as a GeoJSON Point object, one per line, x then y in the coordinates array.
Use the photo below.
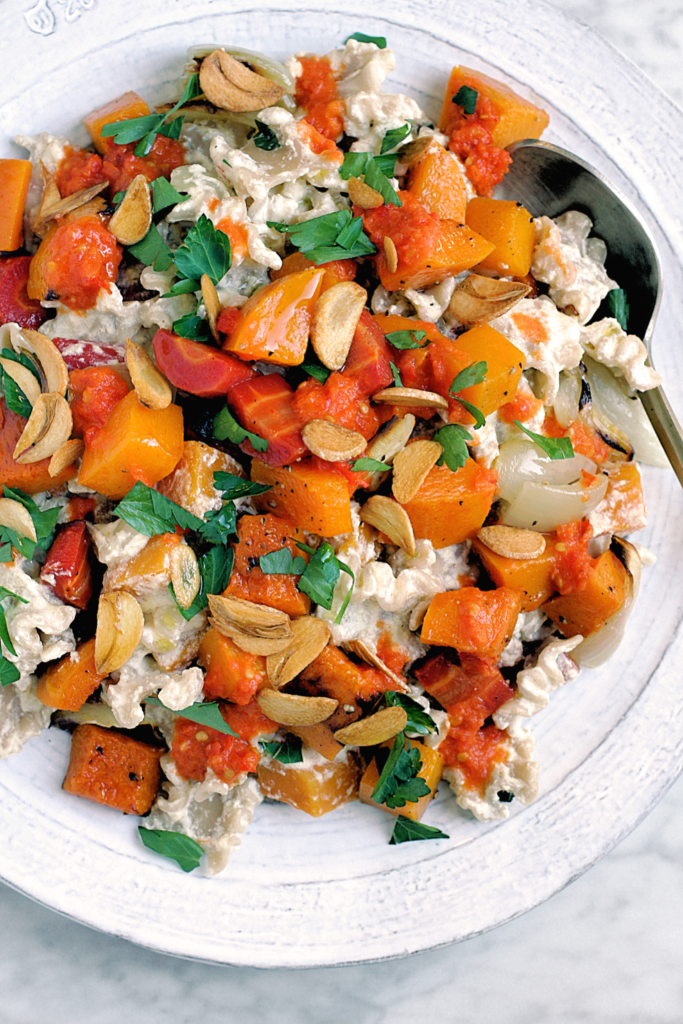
{"type": "Point", "coordinates": [606, 949]}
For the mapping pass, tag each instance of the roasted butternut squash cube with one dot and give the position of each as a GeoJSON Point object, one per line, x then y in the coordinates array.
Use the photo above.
{"type": "Point", "coordinates": [146, 571]}
{"type": "Point", "coordinates": [438, 181]}
{"type": "Point", "coordinates": [511, 229]}
{"type": "Point", "coordinates": [457, 248]}
{"type": "Point", "coordinates": [530, 575]}
{"type": "Point", "coordinates": [517, 118]}
{"type": "Point", "coordinates": [585, 611]}
{"type": "Point", "coordinates": [315, 789]}
{"type": "Point", "coordinates": [333, 674]}
{"type": "Point", "coordinates": [136, 443]}
{"type": "Point", "coordinates": [114, 769]}
{"type": "Point", "coordinates": [124, 108]}
{"type": "Point", "coordinates": [504, 365]}
{"type": "Point", "coordinates": [230, 673]}
{"type": "Point", "coordinates": [15, 176]}
{"type": "Point", "coordinates": [275, 322]}
{"type": "Point", "coordinates": [430, 773]}
{"type": "Point", "coordinates": [450, 507]}
{"type": "Point", "coordinates": [68, 683]}
{"type": "Point", "coordinates": [622, 510]}
{"type": "Point", "coordinates": [474, 621]}
{"type": "Point", "coordinates": [318, 737]}
{"type": "Point", "coordinates": [191, 482]}
{"type": "Point", "coordinates": [317, 500]}
{"type": "Point", "coordinates": [261, 535]}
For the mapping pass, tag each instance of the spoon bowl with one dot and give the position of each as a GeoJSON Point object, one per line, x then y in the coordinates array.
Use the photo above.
{"type": "Point", "coordinates": [550, 180]}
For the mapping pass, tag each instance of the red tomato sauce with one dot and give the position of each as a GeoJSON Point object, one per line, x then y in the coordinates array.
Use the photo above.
{"type": "Point", "coordinates": [316, 93]}
{"type": "Point", "coordinates": [471, 140]}
{"type": "Point", "coordinates": [197, 747]}
{"type": "Point", "coordinates": [83, 257]}
{"type": "Point", "coordinates": [238, 235]}
{"type": "Point", "coordinates": [573, 565]}
{"type": "Point", "coordinates": [522, 407]}
{"type": "Point", "coordinates": [93, 393]}
{"type": "Point", "coordinates": [338, 400]}
{"type": "Point", "coordinates": [474, 752]}
{"type": "Point", "coordinates": [78, 170]}
{"type": "Point", "coordinates": [120, 164]}
{"type": "Point", "coordinates": [413, 229]}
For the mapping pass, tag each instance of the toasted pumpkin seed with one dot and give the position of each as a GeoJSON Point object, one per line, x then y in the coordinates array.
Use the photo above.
{"type": "Point", "coordinates": [133, 217]}
{"type": "Point", "coordinates": [335, 318]}
{"type": "Point", "coordinates": [391, 255]}
{"type": "Point", "coordinates": [15, 517]}
{"type": "Point", "coordinates": [255, 628]}
{"type": "Point", "coordinates": [411, 152]}
{"type": "Point", "coordinates": [47, 428]}
{"type": "Point", "coordinates": [23, 377]}
{"type": "Point", "coordinates": [151, 387]}
{"type": "Point", "coordinates": [51, 362]}
{"type": "Point", "coordinates": [361, 650]}
{"type": "Point", "coordinates": [511, 542]}
{"type": "Point", "coordinates": [66, 455]}
{"type": "Point", "coordinates": [309, 638]}
{"type": "Point", "coordinates": [411, 467]}
{"type": "Point", "coordinates": [410, 396]}
{"type": "Point", "coordinates": [390, 518]}
{"type": "Point", "coordinates": [478, 299]}
{"type": "Point", "coordinates": [212, 303]}
{"type": "Point", "coordinates": [119, 627]}
{"type": "Point", "coordinates": [231, 85]}
{"type": "Point", "coordinates": [185, 575]}
{"type": "Point", "coordinates": [292, 709]}
{"type": "Point", "coordinates": [363, 195]}
{"type": "Point", "coordinates": [331, 442]}
{"type": "Point", "coordinates": [368, 732]}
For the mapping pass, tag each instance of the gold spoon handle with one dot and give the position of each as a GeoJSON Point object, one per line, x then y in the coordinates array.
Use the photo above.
{"type": "Point", "coordinates": [666, 427]}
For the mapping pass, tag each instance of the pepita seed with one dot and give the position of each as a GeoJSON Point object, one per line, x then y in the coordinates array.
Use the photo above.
{"type": "Point", "coordinates": [390, 518]}
{"type": "Point", "coordinates": [66, 455]}
{"type": "Point", "coordinates": [151, 387]}
{"type": "Point", "coordinates": [310, 636]}
{"type": "Point", "coordinates": [133, 217]}
{"type": "Point", "coordinates": [119, 627]}
{"type": "Point", "coordinates": [410, 396]}
{"type": "Point", "coordinates": [335, 318]}
{"type": "Point", "coordinates": [390, 254]}
{"type": "Point", "coordinates": [411, 467]}
{"type": "Point", "coordinates": [292, 709]}
{"type": "Point", "coordinates": [331, 442]}
{"type": "Point", "coordinates": [363, 195]}
{"type": "Point", "coordinates": [511, 542]}
{"type": "Point", "coordinates": [230, 85]}
{"type": "Point", "coordinates": [185, 576]}
{"type": "Point", "coordinates": [411, 152]}
{"type": "Point", "coordinates": [255, 628]}
{"type": "Point", "coordinates": [368, 732]}
{"type": "Point", "coordinates": [47, 428]}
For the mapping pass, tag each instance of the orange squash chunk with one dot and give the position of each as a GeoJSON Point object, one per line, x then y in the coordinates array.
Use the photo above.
{"type": "Point", "coordinates": [121, 109]}
{"type": "Point", "coordinates": [517, 117]}
{"type": "Point", "coordinates": [390, 322]}
{"type": "Point", "coordinates": [146, 571]}
{"type": "Point", "coordinates": [136, 443]}
{"type": "Point", "coordinates": [68, 683]}
{"type": "Point", "coordinates": [333, 674]}
{"type": "Point", "coordinates": [533, 576]}
{"type": "Point", "coordinates": [504, 365]}
{"type": "Point", "coordinates": [335, 270]}
{"type": "Point", "coordinates": [15, 176]}
{"type": "Point", "coordinates": [317, 500]}
{"type": "Point", "coordinates": [32, 477]}
{"type": "Point", "coordinates": [319, 737]}
{"type": "Point", "coordinates": [437, 180]}
{"type": "Point", "coordinates": [230, 673]}
{"type": "Point", "coordinates": [585, 611]}
{"type": "Point", "coordinates": [430, 772]}
{"type": "Point", "coordinates": [450, 507]}
{"type": "Point", "coordinates": [474, 621]}
{"type": "Point", "coordinates": [191, 482]}
{"type": "Point", "coordinates": [114, 769]}
{"type": "Point", "coordinates": [276, 320]}
{"type": "Point", "coordinates": [457, 248]}
{"type": "Point", "coordinates": [511, 229]}
{"type": "Point", "coordinates": [315, 789]}
{"type": "Point", "coordinates": [260, 535]}
{"type": "Point", "coordinates": [623, 507]}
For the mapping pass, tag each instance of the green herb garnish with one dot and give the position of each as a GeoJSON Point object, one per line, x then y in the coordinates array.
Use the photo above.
{"type": "Point", "coordinates": [175, 845]}
{"type": "Point", "coordinates": [44, 521]}
{"type": "Point", "coordinates": [334, 236]}
{"type": "Point", "coordinates": [466, 98]}
{"type": "Point", "coordinates": [148, 127]}
{"type": "Point", "coordinates": [152, 513]}
{"type": "Point", "coordinates": [554, 447]}
{"type": "Point", "coordinates": [153, 251]}
{"type": "Point", "coordinates": [419, 721]}
{"type": "Point", "coordinates": [182, 287]}
{"type": "Point", "coordinates": [4, 631]}
{"type": "Point", "coordinates": [360, 37]}
{"type": "Point", "coordinates": [236, 487]}
{"type": "Point", "coordinates": [287, 751]}
{"type": "Point", "coordinates": [321, 575]}
{"type": "Point", "coordinates": [619, 307]}
{"type": "Point", "coordinates": [282, 563]}
{"type": "Point", "coordinates": [207, 714]}
{"type": "Point", "coordinates": [191, 326]}
{"type": "Point", "coordinates": [215, 567]}
{"type": "Point", "coordinates": [9, 673]}
{"type": "Point", "coordinates": [265, 137]}
{"type": "Point", "coordinates": [398, 783]}
{"type": "Point", "coordinates": [319, 372]}
{"type": "Point", "coordinates": [395, 136]}
{"type": "Point", "coordinates": [376, 171]}
{"type": "Point", "coordinates": [368, 465]}
{"type": "Point", "coordinates": [206, 250]}
{"type": "Point", "coordinates": [398, 383]}
{"type": "Point", "coordinates": [406, 339]}
{"type": "Point", "coordinates": [453, 438]}
{"type": "Point", "coordinates": [225, 426]}
{"type": "Point", "coordinates": [408, 831]}
{"type": "Point", "coordinates": [164, 194]}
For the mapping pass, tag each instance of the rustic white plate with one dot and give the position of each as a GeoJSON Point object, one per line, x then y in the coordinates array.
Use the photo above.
{"type": "Point", "coordinates": [301, 892]}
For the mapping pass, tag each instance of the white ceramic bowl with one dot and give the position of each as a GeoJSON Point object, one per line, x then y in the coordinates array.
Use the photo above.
{"type": "Point", "coordinates": [304, 892]}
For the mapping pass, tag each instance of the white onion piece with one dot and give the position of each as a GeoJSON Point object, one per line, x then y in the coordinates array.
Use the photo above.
{"type": "Point", "coordinates": [268, 67]}
{"type": "Point", "coordinates": [544, 507]}
{"type": "Point", "coordinates": [521, 460]}
{"type": "Point", "coordinates": [611, 398]}
{"type": "Point", "coordinates": [597, 648]}
{"type": "Point", "coordinates": [566, 404]}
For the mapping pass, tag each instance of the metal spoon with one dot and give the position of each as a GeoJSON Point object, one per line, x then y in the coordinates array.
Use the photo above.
{"type": "Point", "coordinates": [550, 180]}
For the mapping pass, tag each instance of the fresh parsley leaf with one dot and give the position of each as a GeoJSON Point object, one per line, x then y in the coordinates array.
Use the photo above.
{"type": "Point", "coordinates": [6, 552]}
{"type": "Point", "coordinates": [321, 576]}
{"type": "Point", "coordinates": [321, 373]}
{"type": "Point", "coordinates": [164, 194]}
{"type": "Point", "coordinates": [399, 783]}
{"type": "Point", "coordinates": [4, 631]}
{"type": "Point", "coordinates": [334, 236]}
{"type": "Point", "coordinates": [118, 199]}
{"type": "Point", "coordinates": [282, 563]}
{"type": "Point", "coordinates": [265, 137]}
{"type": "Point", "coordinates": [207, 714]}
{"type": "Point", "coordinates": [15, 399]}
{"type": "Point", "coordinates": [152, 513]}
{"type": "Point", "coordinates": [183, 287]}
{"type": "Point", "coordinates": [196, 328]}
{"type": "Point", "coordinates": [419, 721]}
{"type": "Point", "coordinates": [407, 831]}
{"type": "Point", "coordinates": [386, 163]}
{"type": "Point", "coordinates": [619, 307]}
{"type": "Point", "coordinates": [132, 129]}
{"type": "Point", "coordinates": [367, 465]}
{"type": "Point", "coordinates": [152, 250]}
{"type": "Point", "coordinates": [353, 165]}
{"type": "Point", "coordinates": [555, 447]}
{"type": "Point", "coordinates": [215, 566]}
{"type": "Point", "coordinates": [376, 171]}
{"type": "Point", "coordinates": [219, 525]}
{"type": "Point", "coordinates": [236, 487]}
{"type": "Point", "coordinates": [9, 673]}
{"type": "Point", "coordinates": [453, 438]}
{"type": "Point", "coordinates": [477, 414]}
{"type": "Point", "coordinates": [473, 374]}
{"type": "Point", "coordinates": [406, 339]}
{"type": "Point", "coordinates": [146, 128]}
{"type": "Point", "coordinates": [379, 41]}
{"type": "Point", "coordinates": [394, 136]}
{"type": "Point", "coordinates": [44, 521]}
{"type": "Point", "coordinates": [225, 426]}
{"type": "Point", "coordinates": [178, 847]}
{"type": "Point", "coordinates": [398, 383]}
{"type": "Point", "coordinates": [204, 251]}
{"type": "Point", "coordinates": [172, 128]}
{"type": "Point", "coordinates": [377, 179]}
{"type": "Point", "coordinates": [466, 98]}
{"type": "Point", "coordinates": [287, 751]}
{"type": "Point", "coordinates": [21, 357]}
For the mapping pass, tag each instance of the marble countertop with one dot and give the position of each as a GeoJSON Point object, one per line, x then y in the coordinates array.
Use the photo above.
{"type": "Point", "coordinates": [606, 949]}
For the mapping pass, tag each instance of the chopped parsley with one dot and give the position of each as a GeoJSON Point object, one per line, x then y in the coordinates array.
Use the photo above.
{"type": "Point", "coordinates": [398, 383]}
{"type": "Point", "coordinates": [334, 236]}
{"type": "Point", "coordinates": [321, 576]}
{"type": "Point", "coordinates": [407, 831]}
{"type": "Point", "coordinates": [287, 751]}
{"type": "Point", "coordinates": [379, 41]}
{"type": "Point", "coordinates": [466, 98]}
{"type": "Point", "coordinates": [206, 250]}
{"type": "Point", "coordinates": [265, 137]}
{"type": "Point", "coordinates": [144, 130]}
{"type": "Point", "coordinates": [215, 567]}
{"type": "Point", "coordinates": [4, 631]}
{"type": "Point", "coordinates": [15, 399]}
{"type": "Point", "coordinates": [44, 522]}
{"type": "Point", "coordinates": [376, 171]}
{"type": "Point", "coordinates": [554, 447]}
{"type": "Point", "coordinates": [236, 486]}
{"type": "Point", "coordinates": [282, 563]}
{"type": "Point", "coordinates": [368, 465]}
{"type": "Point", "coordinates": [398, 783]}
{"type": "Point", "coordinates": [467, 378]}
{"type": "Point", "coordinates": [153, 251]}
{"type": "Point", "coordinates": [183, 287]}
{"type": "Point", "coordinates": [191, 326]}
{"type": "Point", "coordinates": [395, 136]}
{"type": "Point", "coordinates": [619, 307]}
{"type": "Point", "coordinates": [419, 721]}
{"type": "Point", "coordinates": [226, 427]}
{"type": "Point", "coordinates": [406, 339]}
{"type": "Point", "coordinates": [152, 513]}
{"type": "Point", "coordinates": [164, 194]}
{"type": "Point", "coordinates": [453, 439]}
{"type": "Point", "coordinates": [9, 673]}
{"type": "Point", "coordinates": [208, 714]}
{"type": "Point", "coordinates": [178, 847]}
